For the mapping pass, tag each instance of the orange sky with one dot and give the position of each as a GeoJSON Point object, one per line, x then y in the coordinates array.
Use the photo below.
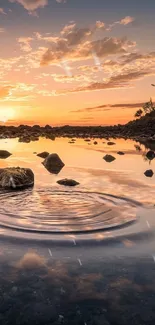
{"type": "Point", "coordinates": [59, 67]}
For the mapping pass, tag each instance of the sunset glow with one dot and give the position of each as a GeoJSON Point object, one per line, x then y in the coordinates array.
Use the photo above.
{"type": "Point", "coordinates": [75, 62]}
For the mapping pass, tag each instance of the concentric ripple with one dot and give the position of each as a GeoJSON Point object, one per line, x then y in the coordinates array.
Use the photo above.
{"type": "Point", "coordinates": [47, 211]}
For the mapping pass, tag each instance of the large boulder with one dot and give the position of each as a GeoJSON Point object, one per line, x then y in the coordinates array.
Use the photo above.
{"type": "Point", "coordinates": [109, 158]}
{"type": "Point", "coordinates": [16, 178]}
{"type": "Point", "coordinates": [68, 182]}
{"type": "Point", "coordinates": [43, 154]}
{"type": "Point", "coordinates": [4, 154]}
{"type": "Point", "coordinates": [53, 163]}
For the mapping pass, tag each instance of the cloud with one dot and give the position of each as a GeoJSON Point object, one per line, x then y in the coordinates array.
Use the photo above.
{"type": "Point", "coordinates": [66, 49]}
{"type": "Point", "coordinates": [5, 91]}
{"type": "Point", "coordinates": [127, 20]}
{"type": "Point", "coordinates": [108, 107]}
{"type": "Point", "coordinates": [31, 5]}
{"type": "Point", "coordinates": [2, 11]}
{"type": "Point", "coordinates": [100, 24]}
{"type": "Point", "coordinates": [70, 79]}
{"type": "Point", "coordinates": [25, 43]}
{"type": "Point", "coordinates": [114, 82]}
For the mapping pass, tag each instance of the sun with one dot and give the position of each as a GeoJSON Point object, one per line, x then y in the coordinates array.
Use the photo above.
{"type": "Point", "coordinates": [6, 114]}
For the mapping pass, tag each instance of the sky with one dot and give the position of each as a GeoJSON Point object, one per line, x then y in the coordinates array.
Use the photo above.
{"type": "Point", "coordinates": [76, 62]}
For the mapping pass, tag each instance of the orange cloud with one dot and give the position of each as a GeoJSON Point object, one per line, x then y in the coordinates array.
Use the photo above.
{"type": "Point", "coordinates": [31, 5]}
{"type": "Point", "coordinates": [25, 43]}
{"type": "Point", "coordinates": [83, 50]}
{"type": "Point", "coordinates": [119, 81]}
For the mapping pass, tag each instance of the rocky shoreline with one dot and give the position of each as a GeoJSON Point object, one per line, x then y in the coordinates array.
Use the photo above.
{"type": "Point", "coordinates": [141, 130]}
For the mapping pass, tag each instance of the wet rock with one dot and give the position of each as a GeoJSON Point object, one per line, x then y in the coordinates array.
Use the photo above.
{"type": "Point", "coordinates": [121, 153]}
{"type": "Point", "coordinates": [16, 178]}
{"type": "Point", "coordinates": [67, 182]}
{"type": "Point", "coordinates": [150, 155]}
{"type": "Point", "coordinates": [95, 142]}
{"type": "Point", "coordinates": [149, 173]}
{"type": "Point", "coordinates": [53, 163]}
{"type": "Point", "coordinates": [43, 154]}
{"type": "Point", "coordinates": [109, 158]}
{"type": "Point", "coordinates": [110, 143]}
{"type": "Point", "coordinates": [4, 154]}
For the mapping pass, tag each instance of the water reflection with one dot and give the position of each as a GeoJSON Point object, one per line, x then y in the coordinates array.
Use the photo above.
{"type": "Point", "coordinates": [115, 291]}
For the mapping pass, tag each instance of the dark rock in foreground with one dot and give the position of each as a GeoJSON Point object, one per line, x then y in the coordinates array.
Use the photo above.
{"type": "Point", "coordinates": [53, 163]}
{"type": "Point", "coordinates": [150, 155]}
{"type": "Point", "coordinates": [43, 154]}
{"type": "Point", "coordinates": [149, 173]}
{"type": "Point", "coordinates": [121, 153]}
{"type": "Point", "coordinates": [68, 182]}
{"type": "Point", "coordinates": [95, 142]}
{"type": "Point", "coordinates": [16, 178]}
{"type": "Point", "coordinates": [110, 143]}
{"type": "Point", "coordinates": [4, 154]}
{"type": "Point", "coordinates": [109, 158]}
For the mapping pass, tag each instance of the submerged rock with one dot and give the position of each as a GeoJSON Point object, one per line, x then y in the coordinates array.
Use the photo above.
{"type": "Point", "coordinates": [109, 158]}
{"type": "Point", "coordinates": [121, 153]}
{"type": "Point", "coordinates": [43, 154]}
{"type": "Point", "coordinates": [110, 143]}
{"type": "Point", "coordinates": [149, 173]}
{"type": "Point", "coordinates": [16, 178]}
{"type": "Point", "coordinates": [53, 163]}
{"type": "Point", "coordinates": [68, 182]}
{"type": "Point", "coordinates": [150, 155]}
{"type": "Point", "coordinates": [4, 154]}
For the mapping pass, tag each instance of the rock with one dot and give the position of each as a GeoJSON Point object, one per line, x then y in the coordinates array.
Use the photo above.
{"type": "Point", "coordinates": [24, 139]}
{"type": "Point", "coordinates": [67, 182]}
{"type": "Point", "coordinates": [150, 155]}
{"type": "Point", "coordinates": [4, 154]}
{"type": "Point", "coordinates": [53, 163]}
{"type": "Point", "coordinates": [87, 140]}
{"type": "Point", "coordinates": [16, 178]}
{"type": "Point", "coordinates": [43, 154]}
{"type": "Point", "coordinates": [34, 138]}
{"type": "Point", "coordinates": [110, 143]}
{"type": "Point", "coordinates": [109, 158]}
{"type": "Point", "coordinates": [121, 153]}
{"type": "Point", "coordinates": [95, 142]}
{"type": "Point", "coordinates": [149, 173]}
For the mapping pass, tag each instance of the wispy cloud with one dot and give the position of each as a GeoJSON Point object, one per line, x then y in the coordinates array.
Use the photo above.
{"type": "Point", "coordinates": [2, 11]}
{"type": "Point", "coordinates": [108, 107]}
{"type": "Point", "coordinates": [115, 82]}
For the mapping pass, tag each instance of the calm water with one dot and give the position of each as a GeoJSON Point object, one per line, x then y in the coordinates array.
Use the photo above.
{"type": "Point", "coordinates": [83, 255]}
{"type": "Point", "coordinates": [109, 195]}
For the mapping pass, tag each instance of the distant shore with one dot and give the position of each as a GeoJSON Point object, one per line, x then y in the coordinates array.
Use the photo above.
{"type": "Point", "coordinates": [142, 130]}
